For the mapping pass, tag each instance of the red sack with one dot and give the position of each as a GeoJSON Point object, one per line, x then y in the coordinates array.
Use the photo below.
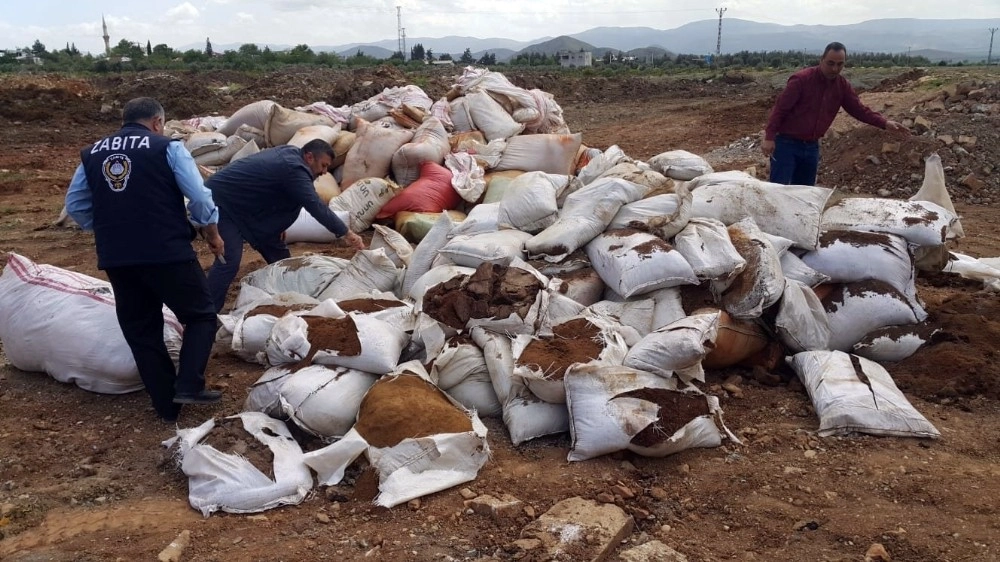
{"type": "Point", "coordinates": [432, 193]}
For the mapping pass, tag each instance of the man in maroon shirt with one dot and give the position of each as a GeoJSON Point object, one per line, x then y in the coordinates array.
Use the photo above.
{"type": "Point", "coordinates": [805, 110]}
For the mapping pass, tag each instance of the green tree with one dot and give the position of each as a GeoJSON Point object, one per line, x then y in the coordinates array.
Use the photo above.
{"type": "Point", "coordinates": [149, 48]}
{"type": "Point", "coordinates": [300, 54]}
{"type": "Point", "coordinates": [467, 57]}
{"type": "Point", "coordinates": [249, 50]}
{"type": "Point", "coordinates": [38, 48]}
{"type": "Point", "coordinates": [445, 56]}
{"type": "Point", "coordinates": [208, 48]}
{"type": "Point", "coordinates": [429, 55]}
{"type": "Point", "coordinates": [397, 56]}
{"type": "Point", "coordinates": [487, 60]}
{"type": "Point", "coordinates": [162, 50]}
{"type": "Point", "coordinates": [417, 52]}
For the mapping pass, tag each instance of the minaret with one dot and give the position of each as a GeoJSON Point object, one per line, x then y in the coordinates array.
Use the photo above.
{"type": "Point", "coordinates": [107, 38]}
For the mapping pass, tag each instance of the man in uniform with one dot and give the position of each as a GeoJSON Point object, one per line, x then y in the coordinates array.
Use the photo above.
{"type": "Point", "coordinates": [259, 197]}
{"type": "Point", "coordinates": [130, 189]}
{"type": "Point", "coordinates": [805, 110]}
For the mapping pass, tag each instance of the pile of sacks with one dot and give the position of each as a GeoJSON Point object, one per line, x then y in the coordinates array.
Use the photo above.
{"type": "Point", "coordinates": [519, 274]}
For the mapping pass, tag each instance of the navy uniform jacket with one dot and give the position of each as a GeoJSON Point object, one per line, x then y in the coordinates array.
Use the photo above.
{"type": "Point", "coordinates": [264, 193]}
{"type": "Point", "coordinates": [138, 209]}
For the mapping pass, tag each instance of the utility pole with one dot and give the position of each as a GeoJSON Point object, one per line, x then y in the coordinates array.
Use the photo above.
{"type": "Point", "coordinates": [399, 31]}
{"type": "Point", "coordinates": [718, 40]}
{"type": "Point", "coordinates": [989, 57]}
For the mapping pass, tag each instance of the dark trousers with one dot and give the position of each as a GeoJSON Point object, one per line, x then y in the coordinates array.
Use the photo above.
{"type": "Point", "coordinates": [794, 162]}
{"type": "Point", "coordinates": [221, 275]}
{"type": "Point", "coordinates": [140, 293]}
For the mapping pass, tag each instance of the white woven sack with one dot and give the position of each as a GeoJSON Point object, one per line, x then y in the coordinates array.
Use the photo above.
{"type": "Point", "coordinates": [529, 203]}
{"type": "Point", "coordinates": [368, 271]}
{"type": "Point", "coordinates": [250, 333]}
{"type": "Point", "coordinates": [425, 252]}
{"type": "Point", "coordinates": [714, 178]}
{"type": "Point", "coordinates": [229, 482]}
{"type": "Point", "coordinates": [893, 343]}
{"type": "Point", "coordinates": [490, 118]}
{"type": "Point", "coordinates": [310, 133]}
{"type": "Point", "coordinates": [848, 257]}
{"type": "Point", "coordinates": [584, 285]}
{"type": "Point", "coordinates": [283, 123]}
{"type": "Point", "coordinates": [262, 396]}
{"type": "Point", "coordinates": [633, 263]}
{"type": "Point", "coordinates": [852, 394]}
{"type": "Point", "coordinates": [706, 246]}
{"type": "Point", "coordinates": [802, 323]}
{"type": "Point", "coordinates": [597, 166]}
{"type": "Point", "coordinates": [792, 211]}
{"type": "Point", "coordinates": [460, 118]}
{"type": "Point", "coordinates": [934, 190]}
{"type": "Point", "coordinates": [794, 268]}
{"type": "Point", "coordinates": [394, 244]}
{"type": "Point", "coordinates": [664, 215]}
{"type": "Point", "coordinates": [855, 309]}
{"type": "Point", "coordinates": [307, 229]}
{"type": "Point", "coordinates": [922, 223]}
{"type": "Point", "coordinates": [363, 200]}
{"type": "Point", "coordinates": [253, 115]}
{"type": "Point", "coordinates": [202, 142]}
{"type": "Point", "coordinates": [371, 154]}
{"type": "Point", "coordinates": [309, 275]}
{"type": "Point", "coordinates": [500, 248]}
{"type": "Point", "coordinates": [677, 348]}
{"type": "Point", "coordinates": [63, 323]}
{"type": "Point", "coordinates": [429, 144]}
{"type": "Point", "coordinates": [552, 390]}
{"type": "Point", "coordinates": [525, 416]}
{"type": "Point", "coordinates": [761, 283]}
{"type": "Point", "coordinates": [585, 214]}
{"type": "Point", "coordinates": [323, 400]}
{"type": "Point", "coordinates": [225, 153]}
{"type": "Point", "coordinates": [460, 370]}
{"type": "Point", "coordinates": [249, 149]}
{"type": "Point", "coordinates": [553, 153]}
{"type": "Point", "coordinates": [414, 467]}
{"type": "Point", "coordinates": [680, 165]}
{"type": "Point", "coordinates": [433, 277]}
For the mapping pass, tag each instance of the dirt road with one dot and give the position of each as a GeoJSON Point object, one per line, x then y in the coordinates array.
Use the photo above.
{"type": "Point", "coordinates": [83, 477]}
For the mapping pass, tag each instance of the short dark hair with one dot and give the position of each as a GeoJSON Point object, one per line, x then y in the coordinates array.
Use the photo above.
{"type": "Point", "coordinates": [835, 46]}
{"type": "Point", "coordinates": [318, 147]}
{"type": "Point", "coordinates": [141, 109]}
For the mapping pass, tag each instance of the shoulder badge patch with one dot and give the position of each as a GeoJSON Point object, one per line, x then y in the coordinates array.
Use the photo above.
{"type": "Point", "coordinates": [117, 168]}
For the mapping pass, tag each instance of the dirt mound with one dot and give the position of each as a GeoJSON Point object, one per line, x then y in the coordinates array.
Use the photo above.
{"type": "Point", "coordinates": [961, 359]}
{"type": "Point", "coordinates": [493, 291]}
{"type": "Point", "coordinates": [897, 82]}
{"type": "Point", "coordinates": [407, 407]}
{"type": "Point", "coordinates": [47, 98]}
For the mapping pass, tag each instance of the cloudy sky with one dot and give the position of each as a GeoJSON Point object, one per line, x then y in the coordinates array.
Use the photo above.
{"type": "Point", "coordinates": [179, 23]}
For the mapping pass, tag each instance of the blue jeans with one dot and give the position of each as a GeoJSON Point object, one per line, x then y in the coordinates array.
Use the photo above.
{"type": "Point", "coordinates": [221, 275]}
{"type": "Point", "coordinates": [794, 162]}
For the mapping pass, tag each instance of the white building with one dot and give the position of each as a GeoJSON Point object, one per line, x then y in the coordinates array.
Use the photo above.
{"type": "Point", "coordinates": [570, 59]}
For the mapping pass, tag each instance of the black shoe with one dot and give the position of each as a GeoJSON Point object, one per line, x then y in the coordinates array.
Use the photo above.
{"type": "Point", "coordinates": [201, 397]}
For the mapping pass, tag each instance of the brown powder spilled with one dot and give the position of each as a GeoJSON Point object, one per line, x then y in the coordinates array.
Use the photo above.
{"type": "Point", "coordinates": [647, 249]}
{"type": "Point", "coordinates": [750, 250]}
{"type": "Point", "coordinates": [365, 306]}
{"type": "Point", "coordinates": [492, 291]}
{"type": "Point", "coordinates": [325, 333]}
{"type": "Point", "coordinates": [676, 410]}
{"type": "Point", "coordinates": [576, 341]}
{"type": "Point", "coordinates": [228, 436]}
{"type": "Point", "coordinates": [856, 238]}
{"type": "Point", "coordinates": [277, 310]}
{"type": "Point", "coordinates": [407, 406]}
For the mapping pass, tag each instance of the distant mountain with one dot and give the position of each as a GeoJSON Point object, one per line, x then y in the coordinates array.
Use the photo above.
{"type": "Point", "coordinates": [966, 38]}
{"type": "Point", "coordinates": [937, 39]}
{"type": "Point", "coordinates": [368, 50]}
{"type": "Point", "coordinates": [553, 46]}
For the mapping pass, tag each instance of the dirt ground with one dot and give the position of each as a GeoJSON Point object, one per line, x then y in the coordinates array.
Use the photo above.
{"type": "Point", "coordinates": [83, 477]}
